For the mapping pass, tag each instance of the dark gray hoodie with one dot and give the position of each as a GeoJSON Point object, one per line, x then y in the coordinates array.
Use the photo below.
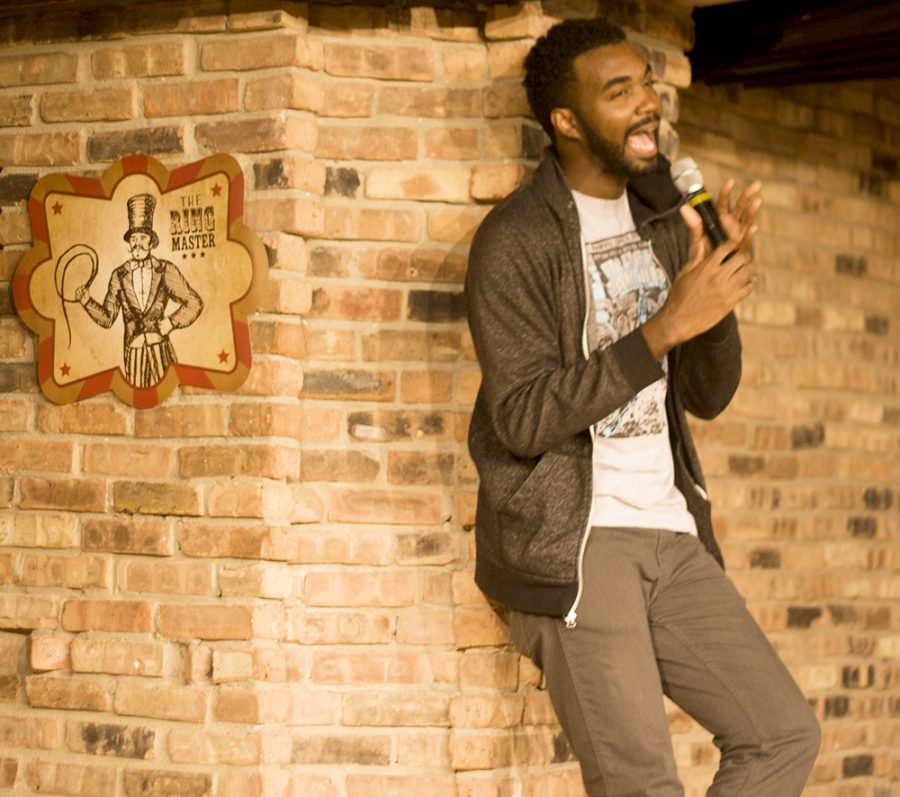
{"type": "Point", "coordinates": [530, 434]}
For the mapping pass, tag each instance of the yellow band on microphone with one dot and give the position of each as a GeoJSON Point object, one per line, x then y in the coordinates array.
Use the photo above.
{"type": "Point", "coordinates": [696, 199]}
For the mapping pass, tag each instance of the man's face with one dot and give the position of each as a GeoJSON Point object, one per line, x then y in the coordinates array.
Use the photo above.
{"type": "Point", "coordinates": [617, 108]}
{"type": "Point", "coordinates": [139, 243]}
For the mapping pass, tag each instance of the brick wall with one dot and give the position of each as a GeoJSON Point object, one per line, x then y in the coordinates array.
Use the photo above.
{"type": "Point", "coordinates": [270, 593]}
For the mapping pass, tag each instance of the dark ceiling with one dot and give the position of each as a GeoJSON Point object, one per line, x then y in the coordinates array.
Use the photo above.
{"type": "Point", "coordinates": [763, 43]}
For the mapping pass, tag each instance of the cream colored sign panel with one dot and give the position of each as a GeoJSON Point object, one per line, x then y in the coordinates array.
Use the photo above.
{"type": "Point", "coordinates": [141, 280]}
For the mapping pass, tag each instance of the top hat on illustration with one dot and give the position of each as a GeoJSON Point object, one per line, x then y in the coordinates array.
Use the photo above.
{"type": "Point", "coordinates": [140, 217]}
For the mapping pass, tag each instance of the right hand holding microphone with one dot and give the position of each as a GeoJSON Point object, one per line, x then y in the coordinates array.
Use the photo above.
{"type": "Point", "coordinates": [714, 280]}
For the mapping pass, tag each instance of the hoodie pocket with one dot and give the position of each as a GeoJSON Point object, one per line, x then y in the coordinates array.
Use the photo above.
{"type": "Point", "coordinates": [539, 526]}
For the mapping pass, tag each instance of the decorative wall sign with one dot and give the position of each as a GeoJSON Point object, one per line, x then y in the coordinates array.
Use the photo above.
{"type": "Point", "coordinates": [141, 280]}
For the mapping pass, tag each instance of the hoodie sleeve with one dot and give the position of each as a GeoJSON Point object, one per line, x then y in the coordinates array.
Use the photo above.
{"type": "Point", "coordinates": [517, 282]}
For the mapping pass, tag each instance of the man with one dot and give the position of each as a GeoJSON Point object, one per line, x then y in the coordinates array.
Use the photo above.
{"type": "Point", "coordinates": [143, 288]}
{"type": "Point", "coordinates": [600, 314]}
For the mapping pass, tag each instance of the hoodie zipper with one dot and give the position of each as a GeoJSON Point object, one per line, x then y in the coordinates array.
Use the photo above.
{"type": "Point", "coordinates": [571, 618]}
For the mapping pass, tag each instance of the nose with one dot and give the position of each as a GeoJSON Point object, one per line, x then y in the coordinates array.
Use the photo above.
{"type": "Point", "coordinates": [650, 102]}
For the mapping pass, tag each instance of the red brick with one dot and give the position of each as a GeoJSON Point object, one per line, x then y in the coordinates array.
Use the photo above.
{"type": "Point", "coordinates": [40, 149]}
{"type": "Point", "coordinates": [487, 669]}
{"type": "Point", "coordinates": [505, 100]}
{"type": "Point", "coordinates": [274, 132]}
{"type": "Point", "coordinates": [336, 547]}
{"type": "Point", "coordinates": [71, 572]}
{"type": "Point", "coordinates": [191, 98]}
{"type": "Point", "coordinates": [94, 105]}
{"type": "Point", "coordinates": [38, 530]}
{"type": "Point", "coordinates": [411, 345]}
{"type": "Point", "coordinates": [244, 53]}
{"type": "Point", "coordinates": [266, 461]}
{"type": "Point", "coordinates": [358, 142]}
{"type": "Point", "coordinates": [375, 666]}
{"type": "Point", "coordinates": [453, 225]}
{"type": "Point", "coordinates": [429, 184]}
{"type": "Point", "coordinates": [140, 783]}
{"type": "Point", "coordinates": [48, 652]}
{"type": "Point", "coordinates": [107, 739]}
{"type": "Point", "coordinates": [338, 345]}
{"type": "Point", "coordinates": [347, 100]}
{"type": "Point", "coordinates": [156, 59]}
{"type": "Point", "coordinates": [231, 541]}
{"type": "Point", "coordinates": [256, 581]}
{"type": "Point", "coordinates": [56, 456]}
{"type": "Point", "coordinates": [297, 216]}
{"type": "Point", "coordinates": [66, 693]}
{"type": "Point", "coordinates": [251, 706]}
{"type": "Point", "coordinates": [343, 628]}
{"type": "Point", "coordinates": [28, 611]}
{"type": "Point", "coordinates": [38, 69]}
{"type": "Point", "coordinates": [338, 466]}
{"type": "Point", "coordinates": [356, 303]}
{"type": "Point", "coordinates": [414, 265]}
{"type": "Point", "coordinates": [14, 341]}
{"type": "Point", "coordinates": [145, 460]}
{"type": "Point", "coordinates": [463, 64]}
{"type": "Point", "coordinates": [91, 417]}
{"type": "Point", "coordinates": [262, 420]}
{"type": "Point", "coordinates": [420, 467]}
{"type": "Point", "coordinates": [198, 621]}
{"type": "Point", "coordinates": [426, 387]}
{"type": "Point", "coordinates": [179, 578]}
{"type": "Point", "coordinates": [519, 21]}
{"type": "Point", "coordinates": [394, 506]}
{"type": "Point", "coordinates": [16, 415]}
{"type": "Point", "coordinates": [405, 425]}
{"type": "Point", "coordinates": [121, 535]}
{"type": "Point", "coordinates": [299, 92]}
{"type": "Point", "coordinates": [75, 495]}
{"type": "Point", "coordinates": [506, 59]}
{"type": "Point", "coordinates": [452, 143]}
{"type": "Point", "coordinates": [383, 62]}
{"type": "Point", "coordinates": [379, 785]}
{"type": "Point", "coordinates": [155, 498]}
{"type": "Point", "coordinates": [319, 425]}
{"type": "Point", "coordinates": [396, 709]}
{"type": "Point", "coordinates": [425, 628]}
{"type": "Point", "coordinates": [436, 103]}
{"type": "Point", "coordinates": [181, 703]}
{"type": "Point", "coordinates": [187, 420]}
{"type": "Point", "coordinates": [51, 777]}
{"type": "Point", "coordinates": [377, 589]}
{"type": "Point", "coordinates": [479, 628]}
{"type": "Point", "coordinates": [214, 748]}
{"type": "Point", "coordinates": [480, 750]}
{"type": "Point", "coordinates": [274, 377]}
{"type": "Point", "coordinates": [271, 501]}
{"type": "Point", "coordinates": [486, 711]}
{"type": "Point", "coordinates": [351, 385]}
{"type": "Point", "coordinates": [108, 615]}
{"type": "Point", "coordinates": [372, 224]}
{"type": "Point", "coordinates": [492, 182]}
{"type": "Point", "coordinates": [118, 657]}
{"type": "Point", "coordinates": [288, 295]}
{"type": "Point", "coordinates": [287, 338]}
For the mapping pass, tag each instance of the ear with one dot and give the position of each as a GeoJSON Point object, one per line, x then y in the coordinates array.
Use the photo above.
{"type": "Point", "coordinates": [565, 123]}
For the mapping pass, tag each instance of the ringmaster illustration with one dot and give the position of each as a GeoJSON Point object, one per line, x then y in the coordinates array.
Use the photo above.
{"type": "Point", "coordinates": [144, 288]}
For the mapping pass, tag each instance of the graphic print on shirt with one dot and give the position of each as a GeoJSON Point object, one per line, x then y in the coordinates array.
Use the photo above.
{"type": "Point", "coordinates": [628, 286]}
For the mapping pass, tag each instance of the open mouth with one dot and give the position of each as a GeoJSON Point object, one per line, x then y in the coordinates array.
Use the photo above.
{"type": "Point", "coordinates": [642, 140]}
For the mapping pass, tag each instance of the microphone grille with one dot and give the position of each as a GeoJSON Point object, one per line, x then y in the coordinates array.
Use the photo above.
{"type": "Point", "coordinates": [686, 175]}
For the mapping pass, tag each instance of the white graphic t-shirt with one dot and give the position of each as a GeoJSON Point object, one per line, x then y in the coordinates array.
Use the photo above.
{"type": "Point", "coordinates": [634, 480]}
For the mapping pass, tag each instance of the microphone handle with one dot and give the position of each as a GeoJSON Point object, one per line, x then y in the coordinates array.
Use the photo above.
{"type": "Point", "coordinates": [703, 204]}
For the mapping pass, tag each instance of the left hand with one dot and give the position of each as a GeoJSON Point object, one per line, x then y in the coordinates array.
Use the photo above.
{"type": "Point", "coordinates": [739, 221]}
{"type": "Point", "coordinates": [165, 326]}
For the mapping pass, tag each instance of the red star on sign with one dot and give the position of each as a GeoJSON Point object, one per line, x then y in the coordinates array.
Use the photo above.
{"type": "Point", "coordinates": [65, 368]}
{"type": "Point", "coordinates": [57, 209]}
{"type": "Point", "coordinates": [216, 189]}
{"type": "Point", "coordinates": [223, 356]}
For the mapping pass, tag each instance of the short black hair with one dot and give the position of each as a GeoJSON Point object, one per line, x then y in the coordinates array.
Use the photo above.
{"type": "Point", "coordinates": [548, 65]}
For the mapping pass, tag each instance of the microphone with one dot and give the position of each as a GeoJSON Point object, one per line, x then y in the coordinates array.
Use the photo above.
{"type": "Point", "coordinates": [689, 182]}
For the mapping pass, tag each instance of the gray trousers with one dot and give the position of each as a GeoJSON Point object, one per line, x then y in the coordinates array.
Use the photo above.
{"type": "Point", "coordinates": [659, 617]}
